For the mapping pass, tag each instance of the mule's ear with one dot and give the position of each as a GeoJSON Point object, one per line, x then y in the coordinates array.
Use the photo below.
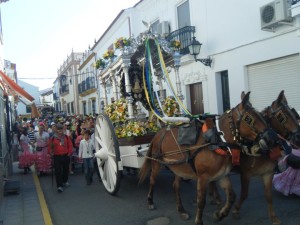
{"type": "Point", "coordinates": [281, 98]}
{"type": "Point", "coordinates": [245, 100]}
{"type": "Point", "coordinates": [243, 95]}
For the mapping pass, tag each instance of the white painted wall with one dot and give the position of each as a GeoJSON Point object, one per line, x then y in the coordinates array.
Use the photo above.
{"type": "Point", "coordinates": [33, 91]}
{"type": "Point", "coordinates": [230, 33]}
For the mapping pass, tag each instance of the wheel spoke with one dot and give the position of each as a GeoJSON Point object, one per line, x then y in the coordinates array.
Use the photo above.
{"type": "Point", "coordinates": [105, 140]}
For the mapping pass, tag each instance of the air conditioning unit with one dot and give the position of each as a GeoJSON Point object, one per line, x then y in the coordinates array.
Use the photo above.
{"type": "Point", "coordinates": [164, 28]}
{"type": "Point", "coordinates": [274, 12]}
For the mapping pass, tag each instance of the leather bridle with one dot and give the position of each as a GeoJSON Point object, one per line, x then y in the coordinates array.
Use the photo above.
{"type": "Point", "coordinates": [281, 118]}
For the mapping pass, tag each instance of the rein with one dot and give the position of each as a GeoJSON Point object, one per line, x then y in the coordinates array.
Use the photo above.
{"type": "Point", "coordinates": [187, 159]}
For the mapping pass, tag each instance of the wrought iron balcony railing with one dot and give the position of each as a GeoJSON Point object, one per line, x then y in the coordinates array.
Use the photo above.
{"type": "Point", "coordinates": [184, 35]}
{"type": "Point", "coordinates": [55, 96]}
{"type": "Point", "coordinates": [86, 85]}
{"type": "Point", "coordinates": [64, 89]}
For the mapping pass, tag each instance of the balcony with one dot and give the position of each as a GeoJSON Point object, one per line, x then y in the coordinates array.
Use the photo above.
{"type": "Point", "coordinates": [55, 96]}
{"type": "Point", "coordinates": [294, 2]}
{"type": "Point", "coordinates": [184, 35]}
{"type": "Point", "coordinates": [64, 89]}
{"type": "Point", "coordinates": [87, 86]}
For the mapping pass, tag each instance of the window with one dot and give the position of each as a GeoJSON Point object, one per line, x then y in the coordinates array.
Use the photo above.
{"type": "Point", "coordinates": [225, 90]}
{"type": "Point", "coordinates": [183, 13]}
{"type": "Point", "coordinates": [94, 106]}
{"type": "Point", "coordinates": [68, 108]}
{"type": "Point", "coordinates": [102, 106]}
{"type": "Point", "coordinates": [91, 82]}
{"type": "Point", "coordinates": [84, 108]}
{"type": "Point", "coordinates": [28, 109]}
{"type": "Point", "coordinates": [72, 107]}
{"type": "Point", "coordinates": [154, 27]}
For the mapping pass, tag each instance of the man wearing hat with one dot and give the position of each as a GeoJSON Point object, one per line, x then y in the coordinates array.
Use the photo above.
{"type": "Point", "coordinates": [60, 146]}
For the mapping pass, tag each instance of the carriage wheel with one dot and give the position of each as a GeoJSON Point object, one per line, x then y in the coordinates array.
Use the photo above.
{"type": "Point", "coordinates": [107, 154]}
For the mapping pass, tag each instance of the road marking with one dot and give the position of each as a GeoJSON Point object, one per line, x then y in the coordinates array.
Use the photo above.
{"type": "Point", "coordinates": [43, 204]}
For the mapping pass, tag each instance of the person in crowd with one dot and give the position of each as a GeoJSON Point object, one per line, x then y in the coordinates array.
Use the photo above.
{"type": "Point", "coordinates": [17, 129]}
{"type": "Point", "coordinates": [26, 158]}
{"type": "Point", "coordinates": [288, 182]}
{"type": "Point", "coordinates": [78, 126]}
{"type": "Point", "coordinates": [67, 132]}
{"type": "Point", "coordinates": [31, 138]}
{"type": "Point", "coordinates": [78, 140]}
{"type": "Point", "coordinates": [43, 160]}
{"type": "Point", "coordinates": [86, 153]}
{"type": "Point", "coordinates": [60, 147]}
{"type": "Point", "coordinates": [95, 159]}
{"type": "Point", "coordinates": [51, 130]}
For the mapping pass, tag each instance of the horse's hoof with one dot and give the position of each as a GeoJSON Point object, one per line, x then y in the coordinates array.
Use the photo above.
{"type": "Point", "coordinates": [151, 207]}
{"type": "Point", "coordinates": [236, 215]}
{"type": "Point", "coordinates": [184, 216]}
{"type": "Point", "coordinates": [275, 221]}
{"type": "Point", "coordinates": [218, 216]}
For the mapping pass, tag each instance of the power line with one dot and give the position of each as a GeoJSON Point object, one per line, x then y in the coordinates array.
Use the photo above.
{"type": "Point", "coordinates": [33, 78]}
{"type": "Point", "coordinates": [72, 75]}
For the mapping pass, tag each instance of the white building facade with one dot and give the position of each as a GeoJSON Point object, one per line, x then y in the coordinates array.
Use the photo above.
{"type": "Point", "coordinates": [250, 50]}
{"type": "Point", "coordinates": [66, 85]}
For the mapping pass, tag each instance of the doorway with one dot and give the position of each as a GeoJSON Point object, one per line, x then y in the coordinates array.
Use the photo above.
{"type": "Point", "coordinates": [196, 94]}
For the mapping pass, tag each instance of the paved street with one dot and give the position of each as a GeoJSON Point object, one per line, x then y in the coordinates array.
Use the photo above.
{"type": "Point", "coordinates": [92, 205]}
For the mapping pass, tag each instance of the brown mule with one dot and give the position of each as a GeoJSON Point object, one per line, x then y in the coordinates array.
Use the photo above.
{"type": "Point", "coordinates": [283, 121]}
{"type": "Point", "coordinates": [242, 123]}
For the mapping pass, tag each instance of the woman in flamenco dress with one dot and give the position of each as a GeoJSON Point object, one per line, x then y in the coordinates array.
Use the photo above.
{"type": "Point", "coordinates": [288, 182]}
{"type": "Point", "coordinates": [43, 161]}
{"type": "Point", "coordinates": [26, 158]}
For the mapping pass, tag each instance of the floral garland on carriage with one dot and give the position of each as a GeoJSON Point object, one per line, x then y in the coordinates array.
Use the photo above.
{"type": "Point", "coordinates": [117, 112]}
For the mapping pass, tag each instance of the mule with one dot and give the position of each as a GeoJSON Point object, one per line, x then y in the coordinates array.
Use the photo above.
{"type": "Point", "coordinates": [282, 120]}
{"type": "Point", "coordinates": [241, 124]}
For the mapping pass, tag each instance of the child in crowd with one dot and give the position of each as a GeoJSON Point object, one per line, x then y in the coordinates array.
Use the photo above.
{"type": "Point", "coordinates": [288, 182]}
{"type": "Point", "coordinates": [31, 138]}
{"type": "Point", "coordinates": [86, 153]}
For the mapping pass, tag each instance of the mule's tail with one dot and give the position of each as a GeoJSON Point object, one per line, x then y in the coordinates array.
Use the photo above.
{"type": "Point", "coordinates": [145, 169]}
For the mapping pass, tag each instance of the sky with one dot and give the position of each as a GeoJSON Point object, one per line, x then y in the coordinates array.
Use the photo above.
{"type": "Point", "coordinates": [39, 35]}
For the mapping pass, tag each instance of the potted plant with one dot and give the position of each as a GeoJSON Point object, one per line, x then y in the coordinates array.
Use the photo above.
{"type": "Point", "coordinates": [175, 44]}
{"type": "Point", "coordinates": [121, 43]}
{"type": "Point", "coordinates": [100, 63]}
{"type": "Point", "coordinates": [109, 54]}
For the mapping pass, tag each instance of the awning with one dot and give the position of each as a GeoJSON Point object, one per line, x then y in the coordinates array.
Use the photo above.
{"type": "Point", "coordinates": [15, 89]}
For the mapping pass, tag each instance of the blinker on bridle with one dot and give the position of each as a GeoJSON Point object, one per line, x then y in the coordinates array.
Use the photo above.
{"type": "Point", "coordinates": [249, 120]}
{"type": "Point", "coordinates": [281, 117]}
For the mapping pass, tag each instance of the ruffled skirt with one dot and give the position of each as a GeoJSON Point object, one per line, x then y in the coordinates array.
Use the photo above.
{"type": "Point", "coordinates": [288, 182]}
{"type": "Point", "coordinates": [43, 161]}
{"type": "Point", "coordinates": [26, 159]}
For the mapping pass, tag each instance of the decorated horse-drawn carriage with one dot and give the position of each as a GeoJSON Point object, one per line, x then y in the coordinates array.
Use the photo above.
{"type": "Point", "coordinates": [204, 147]}
{"type": "Point", "coordinates": [125, 129]}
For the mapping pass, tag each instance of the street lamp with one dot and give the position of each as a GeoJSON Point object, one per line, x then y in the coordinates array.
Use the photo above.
{"type": "Point", "coordinates": [194, 49]}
